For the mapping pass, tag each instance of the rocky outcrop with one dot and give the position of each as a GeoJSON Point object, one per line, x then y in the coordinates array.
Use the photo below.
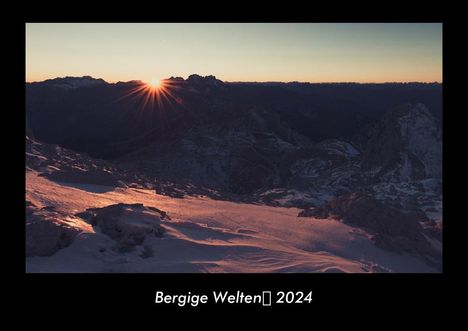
{"type": "Point", "coordinates": [46, 231]}
{"type": "Point", "coordinates": [393, 229]}
{"type": "Point", "coordinates": [65, 166]}
{"type": "Point", "coordinates": [405, 145]}
{"type": "Point", "coordinates": [128, 224]}
{"type": "Point", "coordinates": [208, 80]}
{"type": "Point", "coordinates": [89, 176]}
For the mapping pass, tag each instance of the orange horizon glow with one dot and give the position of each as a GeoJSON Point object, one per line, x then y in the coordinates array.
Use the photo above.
{"type": "Point", "coordinates": [154, 93]}
{"type": "Point", "coordinates": [154, 83]}
{"type": "Point", "coordinates": [237, 52]}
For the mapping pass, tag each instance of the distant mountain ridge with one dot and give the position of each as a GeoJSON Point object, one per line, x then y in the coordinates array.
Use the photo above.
{"type": "Point", "coordinates": [90, 115]}
{"type": "Point", "coordinates": [195, 78]}
{"type": "Point", "coordinates": [70, 82]}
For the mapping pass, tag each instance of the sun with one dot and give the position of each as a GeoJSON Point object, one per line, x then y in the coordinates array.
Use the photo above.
{"type": "Point", "coordinates": [154, 84]}
{"type": "Point", "coordinates": [156, 93]}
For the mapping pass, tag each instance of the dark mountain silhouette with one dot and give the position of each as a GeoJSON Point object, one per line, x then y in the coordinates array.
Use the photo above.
{"type": "Point", "coordinates": [92, 116]}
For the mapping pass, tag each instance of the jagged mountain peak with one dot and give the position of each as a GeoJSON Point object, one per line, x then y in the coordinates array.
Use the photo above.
{"type": "Point", "coordinates": [210, 79]}
{"type": "Point", "coordinates": [405, 144]}
{"type": "Point", "coordinates": [408, 110]}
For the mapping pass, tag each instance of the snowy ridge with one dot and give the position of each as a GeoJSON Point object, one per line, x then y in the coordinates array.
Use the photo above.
{"type": "Point", "coordinates": [204, 235]}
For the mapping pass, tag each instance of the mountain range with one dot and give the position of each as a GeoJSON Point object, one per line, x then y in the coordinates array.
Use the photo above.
{"type": "Point", "coordinates": [366, 155]}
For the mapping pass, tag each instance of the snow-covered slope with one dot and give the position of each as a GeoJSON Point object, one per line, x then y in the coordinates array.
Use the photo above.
{"type": "Point", "coordinates": [226, 198]}
{"type": "Point", "coordinates": [204, 235]}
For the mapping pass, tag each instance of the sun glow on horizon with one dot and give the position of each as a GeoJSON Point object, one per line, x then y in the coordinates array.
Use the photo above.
{"type": "Point", "coordinates": [155, 84]}
{"type": "Point", "coordinates": [310, 52]}
{"type": "Point", "coordinates": [155, 93]}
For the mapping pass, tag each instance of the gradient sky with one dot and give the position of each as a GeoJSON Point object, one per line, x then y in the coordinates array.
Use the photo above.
{"type": "Point", "coordinates": [319, 52]}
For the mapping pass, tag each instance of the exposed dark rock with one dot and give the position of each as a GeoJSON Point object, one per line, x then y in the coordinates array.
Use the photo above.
{"type": "Point", "coordinates": [127, 224]}
{"type": "Point", "coordinates": [46, 234]}
{"type": "Point", "coordinates": [84, 177]}
{"type": "Point", "coordinates": [30, 208]}
{"type": "Point", "coordinates": [394, 229]}
{"type": "Point", "coordinates": [405, 144]}
{"type": "Point", "coordinates": [435, 231]}
{"type": "Point", "coordinates": [48, 208]}
{"type": "Point", "coordinates": [147, 252]}
{"type": "Point", "coordinates": [317, 212]}
{"type": "Point", "coordinates": [164, 215]}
